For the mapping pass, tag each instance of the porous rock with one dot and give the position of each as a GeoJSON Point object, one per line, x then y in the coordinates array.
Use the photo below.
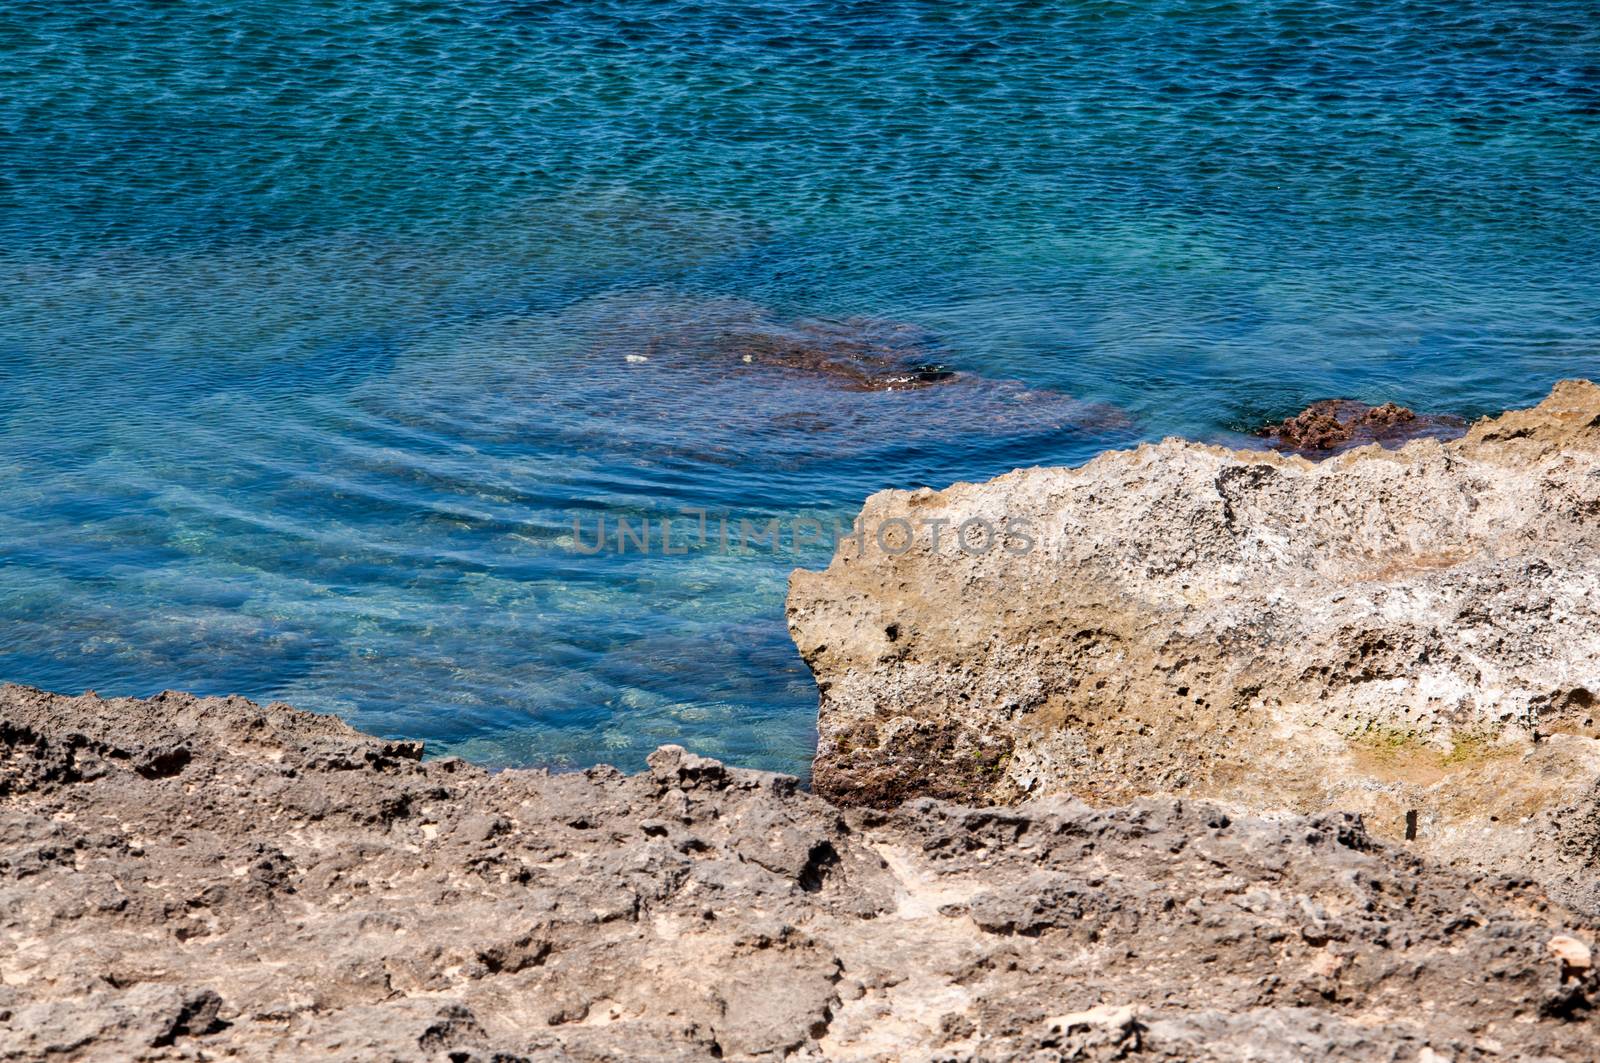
{"type": "Point", "coordinates": [1412, 634]}
{"type": "Point", "coordinates": [290, 889]}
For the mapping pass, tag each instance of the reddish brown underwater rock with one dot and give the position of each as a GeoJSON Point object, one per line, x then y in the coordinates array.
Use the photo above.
{"type": "Point", "coordinates": [854, 368]}
{"type": "Point", "coordinates": [1332, 425]}
{"type": "Point", "coordinates": [853, 354]}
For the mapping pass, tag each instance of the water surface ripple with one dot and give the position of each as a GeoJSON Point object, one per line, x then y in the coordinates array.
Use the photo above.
{"type": "Point", "coordinates": [318, 321]}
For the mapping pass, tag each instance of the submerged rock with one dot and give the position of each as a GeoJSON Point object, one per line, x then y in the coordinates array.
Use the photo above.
{"type": "Point", "coordinates": [1333, 425]}
{"type": "Point", "coordinates": [700, 347]}
{"type": "Point", "coordinates": [1410, 634]}
{"type": "Point", "coordinates": [728, 336]}
{"type": "Point", "coordinates": [857, 355]}
{"type": "Point", "coordinates": [291, 889]}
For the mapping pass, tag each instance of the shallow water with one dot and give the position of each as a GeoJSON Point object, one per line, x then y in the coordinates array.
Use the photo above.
{"type": "Point", "coordinates": [320, 321]}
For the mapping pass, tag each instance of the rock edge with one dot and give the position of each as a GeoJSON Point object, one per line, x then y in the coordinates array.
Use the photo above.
{"type": "Point", "coordinates": [1412, 634]}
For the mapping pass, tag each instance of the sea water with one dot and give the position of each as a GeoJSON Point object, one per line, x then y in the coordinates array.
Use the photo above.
{"type": "Point", "coordinates": [322, 324]}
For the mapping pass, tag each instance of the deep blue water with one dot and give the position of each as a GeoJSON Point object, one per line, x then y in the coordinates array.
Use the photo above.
{"type": "Point", "coordinates": [316, 317]}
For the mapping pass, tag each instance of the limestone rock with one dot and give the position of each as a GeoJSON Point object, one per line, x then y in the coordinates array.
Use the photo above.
{"type": "Point", "coordinates": [291, 889]}
{"type": "Point", "coordinates": [1411, 634]}
{"type": "Point", "coordinates": [1573, 954]}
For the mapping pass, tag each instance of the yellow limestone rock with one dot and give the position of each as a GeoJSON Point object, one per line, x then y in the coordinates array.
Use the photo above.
{"type": "Point", "coordinates": [1411, 634]}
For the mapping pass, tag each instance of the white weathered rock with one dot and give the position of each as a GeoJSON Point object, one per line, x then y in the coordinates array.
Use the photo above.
{"type": "Point", "coordinates": [1573, 954]}
{"type": "Point", "coordinates": [1412, 634]}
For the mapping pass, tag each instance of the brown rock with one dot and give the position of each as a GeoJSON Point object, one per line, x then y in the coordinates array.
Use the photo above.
{"type": "Point", "coordinates": [858, 355]}
{"type": "Point", "coordinates": [1332, 425]}
{"type": "Point", "coordinates": [296, 890]}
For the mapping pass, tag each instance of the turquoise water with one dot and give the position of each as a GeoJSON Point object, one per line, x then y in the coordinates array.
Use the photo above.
{"type": "Point", "coordinates": [320, 321]}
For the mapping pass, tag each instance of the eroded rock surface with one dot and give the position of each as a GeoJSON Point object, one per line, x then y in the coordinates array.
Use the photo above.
{"type": "Point", "coordinates": [1412, 634]}
{"type": "Point", "coordinates": [212, 879]}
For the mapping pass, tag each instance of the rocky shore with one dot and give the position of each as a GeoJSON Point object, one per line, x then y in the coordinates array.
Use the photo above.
{"type": "Point", "coordinates": [213, 879]}
{"type": "Point", "coordinates": [1412, 634]}
{"type": "Point", "coordinates": [1210, 755]}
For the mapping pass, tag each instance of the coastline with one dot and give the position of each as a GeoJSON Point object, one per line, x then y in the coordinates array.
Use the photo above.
{"type": "Point", "coordinates": [805, 532]}
{"type": "Point", "coordinates": [189, 878]}
{"type": "Point", "coordinates": [1405, 633]}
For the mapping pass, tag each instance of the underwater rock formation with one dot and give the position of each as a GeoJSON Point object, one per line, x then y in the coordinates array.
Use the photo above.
{"type": "Point", "coordinates": [729, 336]}
{"type": "Point", "coordinates": [1333, 425]}
{"type": "Point", "coordinates": [186, 878]}
{"type": "Point", "coordinates": [1410, 634]}
{"type": "Point", "coordinates": [857, 355]}
{"type": "Point", "coordinates": [818, 366]}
